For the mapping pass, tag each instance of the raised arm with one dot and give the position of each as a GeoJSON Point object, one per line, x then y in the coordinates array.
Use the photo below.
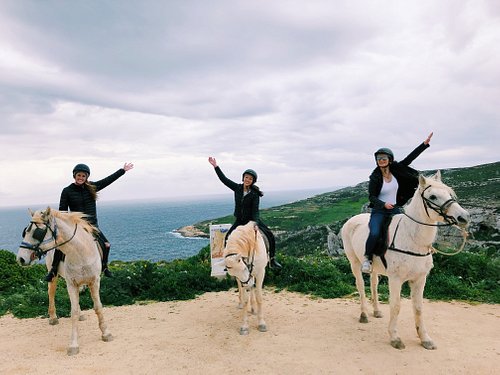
{"type": "Point", "coordinates": [226, 181]}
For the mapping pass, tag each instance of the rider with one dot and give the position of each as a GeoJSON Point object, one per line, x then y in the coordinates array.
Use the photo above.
{"type": "Point", "coordinates": [390, 187]}
{"type": "Point", "coordinates": [246, 199]}
{"type": "Point", "coordinates": [81, 196]}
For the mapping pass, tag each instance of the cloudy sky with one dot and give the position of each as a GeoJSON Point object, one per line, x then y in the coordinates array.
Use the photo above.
{"type": "Point", "coordinates": [302, 91]}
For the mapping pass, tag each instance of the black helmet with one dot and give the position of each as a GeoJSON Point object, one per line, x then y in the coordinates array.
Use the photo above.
{"type": "Point", "coordinates": [387, 151]}
{"type": "Point", "coordinates": [252, 173]}
{"type": "Point", "coordinates": [81, 168]}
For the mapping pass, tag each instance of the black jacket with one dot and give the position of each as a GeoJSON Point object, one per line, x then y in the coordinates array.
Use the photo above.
{"type": "Point", "coordinates": [406, 176]}
{"type": "Point", "coordinates": [246, 207]}
{"type": "Point", "coordinates": [77, 198]}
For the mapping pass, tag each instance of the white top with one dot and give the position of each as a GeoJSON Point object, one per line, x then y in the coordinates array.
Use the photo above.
{"type": "Point", "coordinates": [389, 190]}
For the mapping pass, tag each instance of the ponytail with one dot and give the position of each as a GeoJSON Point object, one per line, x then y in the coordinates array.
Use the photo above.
{"type": "Point", "coordinates": [92, 189]}
{"type": "Point", "coordinates": [257, 190]}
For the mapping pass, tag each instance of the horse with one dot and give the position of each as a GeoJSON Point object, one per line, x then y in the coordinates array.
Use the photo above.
{"type": "Point", "coordinates": [245, 258]}
{"type": "Point", "coordinates": [409, 256]}
{"type": "Point", "coordinates": [74, 236]}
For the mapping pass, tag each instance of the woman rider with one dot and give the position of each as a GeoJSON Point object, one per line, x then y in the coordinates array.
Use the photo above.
{"type": "Point", "coordinates": [390, 187]}
{"type": "Point", "coordinates": [246, 205]}
{"type": "Point", "coordinates": [81, 196]}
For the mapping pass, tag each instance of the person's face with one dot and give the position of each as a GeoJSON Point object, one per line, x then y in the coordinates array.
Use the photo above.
{"type": "Point", "coordinates": [80, 178]}
{"type": "Point", "coordinates": [247, 180]}
{"type": "Point", "coordinates": [382, 160]}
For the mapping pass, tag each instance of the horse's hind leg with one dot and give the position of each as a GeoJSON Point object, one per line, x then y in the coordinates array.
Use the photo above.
{"type": "Point", "coordinates": [374, 278]}
{"type": "Point", "coordinates": [417, 298]}
{"type": "Point", "coordinates": [94, 292]}
{"type": "Point", "coordinates": [52, 286]}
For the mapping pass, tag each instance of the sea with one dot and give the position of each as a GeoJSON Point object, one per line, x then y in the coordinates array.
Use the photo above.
{"type": "Point", "coordinates": [145, 230]}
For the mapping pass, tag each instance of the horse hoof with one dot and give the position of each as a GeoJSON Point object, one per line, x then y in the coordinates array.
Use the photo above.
{"type": "Point", "coordinates": [363, 318]}
{"type": "Point", "coordinates": [73, 350]}
{"type": "Point", "coordinates": [378, 314]}
{"type": "Point", "coordinates": [244, 331]}
{"type": "Point", "coordinates": [262, 328]}
{"type": "Point", "coordinates": [397, 344]}
{"type": "Point", "coordinates": [107, 338]}
{"type": "Point", "coordinates": [54, 321]}
{"type": "Point", "coordinates": [429, 345]}
{"type": "Point", "coordinates": [240, 306]}
{"type": "Point", "coordinates": [82, 318]}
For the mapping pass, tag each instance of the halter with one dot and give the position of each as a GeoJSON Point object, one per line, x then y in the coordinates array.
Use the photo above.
{"type": "Point", "coordinates": [39, 235]}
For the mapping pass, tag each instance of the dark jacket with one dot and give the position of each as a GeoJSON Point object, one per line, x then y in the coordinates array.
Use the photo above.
{"type": "Point", "coordinates": [77, 198]}
{"type": "Point", "coordinates": [406, 176]}
{"type": "Point", "coordinates": [246, 207]}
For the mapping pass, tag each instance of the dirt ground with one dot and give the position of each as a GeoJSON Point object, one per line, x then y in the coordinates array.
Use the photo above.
{"type": "Point", "coordinates": [305, 336]}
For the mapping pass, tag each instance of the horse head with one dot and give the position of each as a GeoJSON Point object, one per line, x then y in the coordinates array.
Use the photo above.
{"type": "Point", "coordinates": [37, 234]}
{"type": "Point", "coordinates": [238, 267]}
{"type": "Point", "coordinates": [440, 202]}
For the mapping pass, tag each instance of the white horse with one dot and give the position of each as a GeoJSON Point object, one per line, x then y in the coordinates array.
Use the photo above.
{"type": "Point", "coordinates": [409, 257]}
{"type": "Point", "coordinates": [73, 235]}
{"type": "Point", "coordinates": [246, 258]}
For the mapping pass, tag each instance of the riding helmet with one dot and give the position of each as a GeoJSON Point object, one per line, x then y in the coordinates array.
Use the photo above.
{"type": "Point", "coordinates": [387, 151]}
{"type": "Point", "coordinates": [81, 168]}
{"type": "Point", "coordinates": [252, 173]}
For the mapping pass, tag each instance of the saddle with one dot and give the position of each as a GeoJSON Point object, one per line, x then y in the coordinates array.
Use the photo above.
{"type": "Point", "coordinates": [266, 240]}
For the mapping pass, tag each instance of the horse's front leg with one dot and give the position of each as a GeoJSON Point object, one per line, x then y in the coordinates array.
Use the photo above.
{"type": "Point", "coordinates": [245, 297]}
{"type": "Point", "coordinates": [395, 303]}
{"type": "Point", "coordinates": [417, 298]}
{"type": "Point", "coordinates": [258, 299]}
{"type": "Point", "coordinates": [74, 297]}
{"type": "Point", "coordinates": [52, 286]}
{"type": "Point", "coordinates": [360, 286]}
{"type": "Point", "coordinates": [377, 313]}
{"type": "Point", "coordinates": [96, 298]}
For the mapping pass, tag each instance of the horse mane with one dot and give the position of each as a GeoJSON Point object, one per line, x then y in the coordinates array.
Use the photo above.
{"type": "Point", "coordinates": [241, 240]}
{"type": "Point", "coordinates": [77, 218]}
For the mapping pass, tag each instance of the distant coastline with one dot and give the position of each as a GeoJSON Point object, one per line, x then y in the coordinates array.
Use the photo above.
{"type": "Point", "coordinates": [190, 231]}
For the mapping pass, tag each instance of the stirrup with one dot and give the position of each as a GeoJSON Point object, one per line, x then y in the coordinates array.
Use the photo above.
{"type": "Point", "coordinates": [274, 265]}
{"type": "Point", "coordinates": [50, 276]}
{"type": "Point", "coordinates": [107, 272]}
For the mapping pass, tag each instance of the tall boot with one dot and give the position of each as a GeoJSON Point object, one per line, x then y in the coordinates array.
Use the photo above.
{"type": "Point", "coordinates": [58, 255]}
{"type": "Point", "coordinates": [272, 252]}
{"type": "Point", "coordinates": [105, 256]}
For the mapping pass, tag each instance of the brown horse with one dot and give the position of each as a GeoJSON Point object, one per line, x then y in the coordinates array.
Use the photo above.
{"type": "Point", "coordinates": [73, 235]}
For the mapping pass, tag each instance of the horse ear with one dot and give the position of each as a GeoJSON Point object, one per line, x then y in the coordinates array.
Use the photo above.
{"type": "Point", "coordinates": [421, 180]}
{"type": "Point", "coordinates": [30, 212]}
{"type": "Point", "coordinates": [437, 176]}
{"type": "Point", "coordinates": [47, 211]}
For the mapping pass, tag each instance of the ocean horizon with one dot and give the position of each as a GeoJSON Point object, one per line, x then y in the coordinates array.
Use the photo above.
{"type": "Point", "coordinates": [145, 229]}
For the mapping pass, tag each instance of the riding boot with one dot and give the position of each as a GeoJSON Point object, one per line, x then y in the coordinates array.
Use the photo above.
{"type": "Point", "coordinates": [58, 255]}
{"type": "Point", "coordinates": [272, 252]}
{"type": "Point", "coordinates": [105, 255]}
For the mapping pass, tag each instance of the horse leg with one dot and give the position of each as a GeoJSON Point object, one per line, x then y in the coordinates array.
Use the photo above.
{"type": "Point", "coordinates": [74, 297]}
{"type": "Point", "coordinates": [240, 294]}
{"type": "Point", "coordinates": [258, 298]}
{"type": "Point", "coordinates": [245, 294]}
{"type": "Point", "coordinates": [417, 298]}
{"type": "Point", "coordinates": [360, 285]}
{"type": "Point", "coordinates": [374, 289]}
{"type": "Point", "coordinates": [52, 286]}
{"type": "Point", "coordinates": [395, 303]}
{"type": "Point", "coordinates": [94, 292]}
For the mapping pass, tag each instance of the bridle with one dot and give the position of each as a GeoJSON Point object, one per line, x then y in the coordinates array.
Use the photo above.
{"type": "Point", "coordinates": [439, 209]}
{"type": "Point", "coordinates": [39, 235]}
{"type": "Point", "coordinates": [249, 267]}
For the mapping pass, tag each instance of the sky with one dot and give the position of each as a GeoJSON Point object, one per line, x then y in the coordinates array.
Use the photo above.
{"type": "Point", "coordinates": [303, 92]}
